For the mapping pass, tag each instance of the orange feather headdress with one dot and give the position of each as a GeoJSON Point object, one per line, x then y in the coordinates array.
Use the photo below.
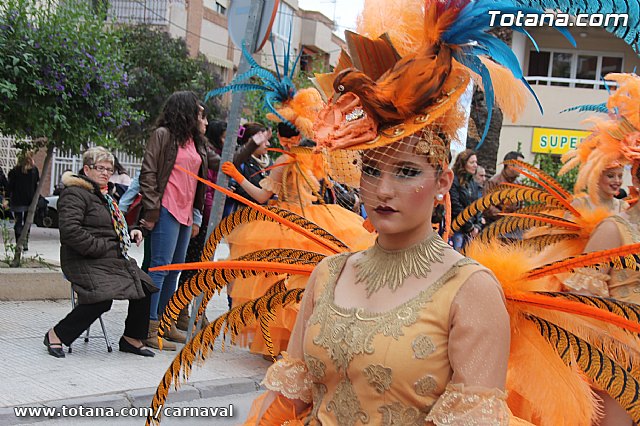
{"type": "Point", "coordinates": [614, 141]}
{"type": "Point", "coordinates": [380, 94]}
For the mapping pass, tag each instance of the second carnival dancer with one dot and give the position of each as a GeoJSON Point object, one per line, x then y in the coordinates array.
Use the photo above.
{"type": "Point", "coordinates": [615, 139]}
{"type": "Point", "coordinates": [295, 180]}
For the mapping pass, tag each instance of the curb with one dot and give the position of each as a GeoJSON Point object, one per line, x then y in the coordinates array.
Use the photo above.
{"type": "Point", "coordinates": [139, 398]}
{"type": "Point", "coordinates": [24, 284]}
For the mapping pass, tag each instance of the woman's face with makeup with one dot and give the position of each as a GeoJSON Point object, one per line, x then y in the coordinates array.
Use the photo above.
{"type": "Point", "coordinates": [398, 188]}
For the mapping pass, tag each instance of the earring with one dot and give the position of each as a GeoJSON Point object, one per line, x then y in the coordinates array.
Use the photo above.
{"type": "Point", "coordinates": [419, 188]}
{"type": "Point", "coordinates": [439, 197]}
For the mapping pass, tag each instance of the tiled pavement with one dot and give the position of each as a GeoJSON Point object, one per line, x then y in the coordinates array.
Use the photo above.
{"type": "Point", "coordinates": [90, 374]}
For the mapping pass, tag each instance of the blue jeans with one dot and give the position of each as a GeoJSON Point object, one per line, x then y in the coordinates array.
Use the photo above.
{"type": "Point", "coordinates": [169, 242]}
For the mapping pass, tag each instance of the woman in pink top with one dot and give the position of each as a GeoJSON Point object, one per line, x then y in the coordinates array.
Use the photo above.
{"type": "Point", "coordinates": [173, 201]}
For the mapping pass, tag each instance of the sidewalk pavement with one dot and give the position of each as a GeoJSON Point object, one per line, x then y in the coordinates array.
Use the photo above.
{"type": "Point", "coordinates": [90, 375]}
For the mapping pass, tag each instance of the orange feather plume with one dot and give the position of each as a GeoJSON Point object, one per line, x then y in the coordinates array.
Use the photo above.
{"type": "Point", "coordinates": [583, 260]}
{"type": "Point", "coordinates": [279, 268]}
{"type": "Point", "coordinates": [402, 20]}
{"type": "Point", "coordinates": [511, 96]}
{"type": "Point", "coordinates": [568, 306]}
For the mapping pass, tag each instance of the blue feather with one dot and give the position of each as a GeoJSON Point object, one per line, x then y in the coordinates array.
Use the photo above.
{"type": "Point", "coordinates": [273, 52]}
{"type": "Point", "coordinates": [256, 72]}
{"type": "Point", "coordinates": [526, 84]}
{"type": "Point", "coordinates": [629, 33]}
{"type": "Point", "coordinates": [247, 55]}
{"type": "Point", "coordinates": [602, 108]}
{"type": "Point", "coordinates": [234, 87]}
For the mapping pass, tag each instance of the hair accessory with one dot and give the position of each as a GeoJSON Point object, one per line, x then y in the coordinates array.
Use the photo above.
{"type": "Point", "coordinates": [241, 131]}
{"type": "Point", "coordinates": [391, 95]}
{"type": "Point", "coordinates": [284, 102]}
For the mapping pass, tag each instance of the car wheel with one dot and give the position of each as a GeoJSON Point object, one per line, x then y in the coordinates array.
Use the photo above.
{"type": "Point", "coordinates": [51, 219]}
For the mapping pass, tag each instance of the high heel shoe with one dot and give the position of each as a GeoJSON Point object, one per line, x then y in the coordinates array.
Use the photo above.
{"type": "Point", "coordinates": [54, 349]}
{"type": "Point", "coordinates": [128, 347]}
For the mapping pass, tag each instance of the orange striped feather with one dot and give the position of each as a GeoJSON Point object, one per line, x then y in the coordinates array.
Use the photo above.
{"type": "Point", "coordinates": [511, 195]}
{"type": "Point", "coordinates": [607, 373]}
{"type": "Point", "coordinates": [199, 348]}
{"type": "Point", "coordinates": [588, 260]}
{"type": "Point", "coordinates": [543, 176]}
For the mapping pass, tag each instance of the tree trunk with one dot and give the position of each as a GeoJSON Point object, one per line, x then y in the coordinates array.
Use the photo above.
{"type": "Point", "coordinates": [488, 152]}
{"type": "Point", "coordinates": [32, 207]}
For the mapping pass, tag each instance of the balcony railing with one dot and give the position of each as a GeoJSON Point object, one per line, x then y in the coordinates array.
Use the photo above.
{"type": "Point", "coordinates": [569, 82]}
{"type": "Point", "coordinates": [150, 12]}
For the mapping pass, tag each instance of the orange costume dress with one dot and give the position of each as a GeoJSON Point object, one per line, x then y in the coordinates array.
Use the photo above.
{"type": "Point", "coordinates": [295, 193]}
{"type": "Point", "coordinates": [423, 359]}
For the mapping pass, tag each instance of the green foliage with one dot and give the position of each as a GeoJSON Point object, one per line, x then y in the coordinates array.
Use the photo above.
{"type": "Point", "coordinates": [159, 65]}
{"type": "Point", "coordinates": [316, 64]}
{"type": "Point", "coordinates": [62, 75]}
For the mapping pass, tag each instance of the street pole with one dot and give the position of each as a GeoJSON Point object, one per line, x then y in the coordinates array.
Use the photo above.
{"type": "Point", "coordinates": [230, 142]}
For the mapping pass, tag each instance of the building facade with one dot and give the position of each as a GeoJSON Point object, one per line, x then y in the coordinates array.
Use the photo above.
{"type": "Point", "coordinates": [562, 76]}
{"type": "Point", "coordinates": [204, 24]}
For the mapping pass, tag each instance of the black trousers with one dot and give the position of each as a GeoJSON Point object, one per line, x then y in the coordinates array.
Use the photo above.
{"type": "Point", "coordinates": [81, 317]}
{"type": "Point", "coordinates": [18, 225]}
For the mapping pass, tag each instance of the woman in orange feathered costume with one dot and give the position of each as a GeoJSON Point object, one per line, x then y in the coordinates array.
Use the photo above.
{"type": "Point", "coordinates": [295, 179]}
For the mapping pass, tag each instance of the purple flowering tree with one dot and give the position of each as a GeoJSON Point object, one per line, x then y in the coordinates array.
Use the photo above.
{"type": "Point", "coordinates": [62, 80]}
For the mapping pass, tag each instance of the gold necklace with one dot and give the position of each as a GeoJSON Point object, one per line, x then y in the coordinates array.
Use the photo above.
{"type": "Point", "coordinates": [379, 268]}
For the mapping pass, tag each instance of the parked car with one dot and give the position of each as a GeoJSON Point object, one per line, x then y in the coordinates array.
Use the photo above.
{"type": "Point", "coordinates": [47, 214]}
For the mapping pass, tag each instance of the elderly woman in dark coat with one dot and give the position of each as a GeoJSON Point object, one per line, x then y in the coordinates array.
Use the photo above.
{"type": "Point", "coordinates": [94, 241]}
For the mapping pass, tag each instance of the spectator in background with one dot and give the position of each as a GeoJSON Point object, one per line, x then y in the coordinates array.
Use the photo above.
{"type": "Point", "coordinates": [253, 169]}
{"type": "Point", "coordinates": [60, 186]}
{"type": "Point", "coordinates": [23, 181]}
{"type": "Point", "coordinates": [481, 178]}
{"type": "Point", "coordinates": [4, 200]}
{"type": "Point", "coordinates": [508, 174]}
{"type": "Point", "coordinates": [4, 183]}
{"type": "Point", "coordinates": [172, 200]}
{"type": "Point", "coordinates": [215, 134]}
{"type": "Point", "coordinates": [464, 191]}
{"type": "Point", "coordinates": [120, 179]}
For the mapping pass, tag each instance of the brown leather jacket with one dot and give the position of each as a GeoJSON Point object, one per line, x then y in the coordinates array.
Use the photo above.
{"type": "Point", "coordinates": [158, 161]}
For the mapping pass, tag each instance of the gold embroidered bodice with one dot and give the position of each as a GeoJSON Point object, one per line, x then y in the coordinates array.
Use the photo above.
{"type": "Point", "coordinates": [380, 368]}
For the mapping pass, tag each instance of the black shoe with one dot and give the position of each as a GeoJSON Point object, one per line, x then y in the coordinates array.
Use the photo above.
{"type": "Point", "coordinates": [53, 348]}
{"type": "Point", "coordinates": [128, 347]}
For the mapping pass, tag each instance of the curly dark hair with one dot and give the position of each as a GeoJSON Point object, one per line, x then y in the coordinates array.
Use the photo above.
{"type": "Point", "coordinates": [180, 116]}
{"type": "Point", "coordinates": [215, 130]}
{"type": "Point", "coordinates": [250, 129]}
{"type": "Point", "coordinates": [459, 166]}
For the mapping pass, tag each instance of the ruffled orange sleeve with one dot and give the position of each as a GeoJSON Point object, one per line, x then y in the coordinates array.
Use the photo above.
{"type": "Point", "coordinates": [287, 379]}
{"type": "Point", "coordinates": [479, 338]}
